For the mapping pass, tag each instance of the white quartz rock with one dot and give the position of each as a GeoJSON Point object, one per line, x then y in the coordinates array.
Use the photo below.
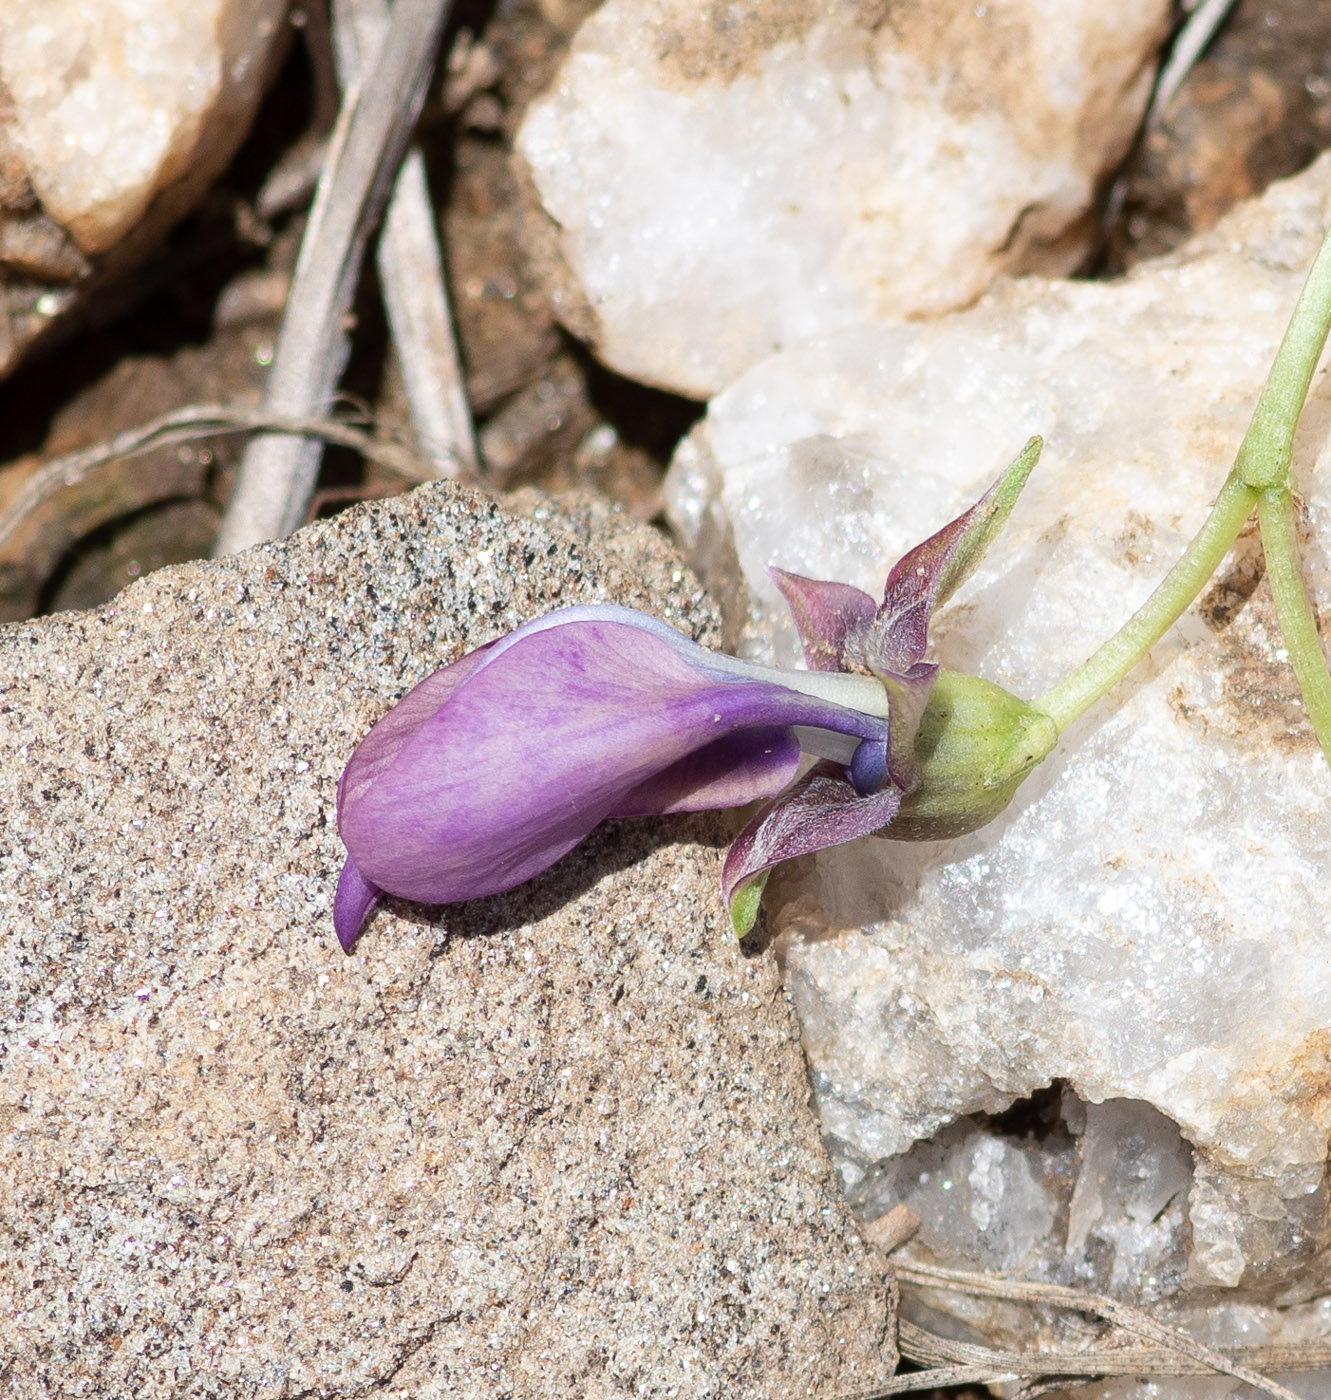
{"type": "Point", "coordinates": [109, 101]}
{"type": "Point", "coordinates": [1150, 921]}
{"type": "Point", "coordinates": [115, 117]}
{"type": "Point", "coordinates": [729, 179]}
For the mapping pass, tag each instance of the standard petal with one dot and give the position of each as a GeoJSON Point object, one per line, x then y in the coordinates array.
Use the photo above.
{"type": "Point", "coordinates": [821, 810]}
{"type": "Point", "coordinates": [828, 617]}
{"type": "Point", "coordinates": [352, 903]}
{"type": "Point", "coordinates": [926, 578]}
{"type": "Point", "coordinates": [379, 748]}
{"type": "Point", "coordinates": [556, 727]}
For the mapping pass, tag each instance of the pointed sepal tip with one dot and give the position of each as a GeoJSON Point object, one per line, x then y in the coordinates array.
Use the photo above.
{"type": "Point", "coordinates": [744, 904]}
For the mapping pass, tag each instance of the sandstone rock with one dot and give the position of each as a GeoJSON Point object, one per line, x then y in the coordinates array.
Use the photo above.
{"type": "Point", "coordinates": [727, 180]}
{"type": "Point", "coordinates": [553, 1143]}
{"type": "Point", "coordinates": [1148, 928]}
{"type": "Point", "coordinates": [108, 113]}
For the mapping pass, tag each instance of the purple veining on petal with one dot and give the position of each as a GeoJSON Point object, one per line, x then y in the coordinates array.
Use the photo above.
{"type": "Point", "coordinates": [380, 746]}
{"type": "Point", "coordinates": [352, 903]}
{"type": "Point", "coordinates": [821, 810]}
{"type": "Point", "coordinates": [828, 616]}
{"type": "Point", "coordinates": [554, 728]}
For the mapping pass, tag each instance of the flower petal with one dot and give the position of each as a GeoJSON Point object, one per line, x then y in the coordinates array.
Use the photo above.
{"type": "Point", "coordinates": [926, 578]}
{"type": "Point", "coordinates": [380, 746]}
{"type": "Point", "coordinates": [729, 773]}
{"type": "Point", "coordinates": [551, 730]}
{"type": "Point", "coordinates": [821, 810]}
{"type": "Point", "coordinates": [827, 616]}
{"type": "Point", "coordinates": [352, 903]}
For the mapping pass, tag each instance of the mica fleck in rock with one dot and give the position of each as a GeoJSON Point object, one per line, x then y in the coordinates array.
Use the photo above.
{"type": "Point", "coordinates": [555, 1142]}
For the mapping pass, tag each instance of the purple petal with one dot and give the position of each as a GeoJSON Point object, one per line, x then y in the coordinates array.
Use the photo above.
{"type": "Point", "coordinates": [548, 732]}
{"type": "Point", "coordinates": [352, 903]}
{"type": "Point", "coordinates": [381, 745]}
{"type": "Point", "coordinates": [827, 616]}
{"type": "Point", "coordinates": [821, 810]}
{"type": "Point", "coordinates": [729, 773]}
{"type": "Point", "coordinates": [926, 578]}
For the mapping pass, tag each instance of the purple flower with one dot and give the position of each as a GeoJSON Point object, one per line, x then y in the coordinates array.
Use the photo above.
{"type": "Point", "coordinates": [492, 768]}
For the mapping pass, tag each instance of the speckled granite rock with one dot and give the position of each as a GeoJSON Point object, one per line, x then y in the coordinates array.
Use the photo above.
{"type": "Point", "coordinates": [549, 1144]}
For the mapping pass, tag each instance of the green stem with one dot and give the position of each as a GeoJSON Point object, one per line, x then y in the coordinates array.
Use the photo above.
{"type": "Point", "coordinates": [1275, 514]}
{"type": "Point", "coordinates": [1080, 689]}
{"type": "Point", "coordinates": [1263, 459]}
{"type": "Point", "coordinates": [1260, 474]}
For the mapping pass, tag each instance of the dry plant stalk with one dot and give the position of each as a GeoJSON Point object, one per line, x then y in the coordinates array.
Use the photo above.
{"type": "Point", "coordinates": [411, 274]}
{"type": "Point", "coordinates": [373, 128]}
{"type": "Point", "coordinates": [1188, 45]}
{"type": "Point", "coordinates": [1167, 1352]}
{"type": "Point", "coordinates": [1200, 28]}
{"type": "Point", "coordinates": [188, 425]}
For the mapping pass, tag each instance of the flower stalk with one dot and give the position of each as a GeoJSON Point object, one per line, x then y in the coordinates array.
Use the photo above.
{"type": "Point", "coordinates": [1298, 625]}
{"type": "Point", "coordinates": [1072, 696]}
{"type": "Point", "coordinates": [1263, 458]}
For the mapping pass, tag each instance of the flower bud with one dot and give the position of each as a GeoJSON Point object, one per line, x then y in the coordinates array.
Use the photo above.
{"type": "Point", "coordinates": [975, 744]}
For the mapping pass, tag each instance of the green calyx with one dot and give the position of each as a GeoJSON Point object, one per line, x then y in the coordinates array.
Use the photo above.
{"type": "Point", "coordinates": [975, 745]}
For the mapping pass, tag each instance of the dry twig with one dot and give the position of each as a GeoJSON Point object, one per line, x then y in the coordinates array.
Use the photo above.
{"type": "Point", "coordinates": [372, 132]}
{"type": "Point", "coordinates": [1128, 1318]}
{"type": "Point", "coordinates": [889, 1232]}
{"type": "Point", "coordinates": [187, 425]}
{"type": "Point", "coordinates": [1169, 1352]}
{"type": "Point", "coordinates": [1188, 45]}
{"type": "Point", "coordinates": [411, 273]}
{"type": "Point", "coordinates": [1192, 40]}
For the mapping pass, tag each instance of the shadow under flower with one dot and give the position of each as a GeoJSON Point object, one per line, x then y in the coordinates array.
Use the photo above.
{"type": "Point", "coordinates": [614, 846]}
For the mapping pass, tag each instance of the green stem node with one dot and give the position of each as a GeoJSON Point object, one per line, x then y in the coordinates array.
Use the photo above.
{"type": "Point", "coordinates": [1263, 459]}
